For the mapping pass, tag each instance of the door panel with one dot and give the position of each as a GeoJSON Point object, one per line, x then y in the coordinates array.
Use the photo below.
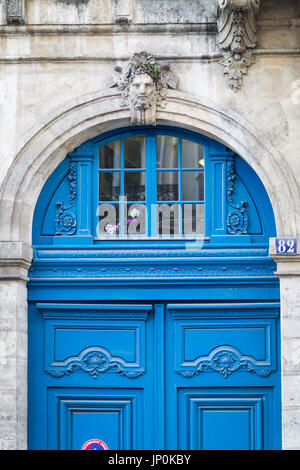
{"type": "Point", "coordinates": [224, 418]}
{"type": "Point", "coordinates": [223, 345]}
{"type": "Point", "coordinates": [91, 376]}
{"type": "Point", "coordinates": [114, 416]}
{"type": "Point", "coordinates": [72, 346]}
{"type": "Point", "coordinates": [180, 376]}
{"type": "Point", "coordinates": [224, 381]}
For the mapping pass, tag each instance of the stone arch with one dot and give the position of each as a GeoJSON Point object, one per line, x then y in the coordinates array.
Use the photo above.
{"type": "Point", "coordinates": [90, 115]}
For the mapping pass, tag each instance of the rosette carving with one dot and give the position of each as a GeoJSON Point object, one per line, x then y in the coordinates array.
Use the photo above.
{"type": "Point", "coordinates": [226, 360]}
{"type": "Point", "coordinates": [94, 361]}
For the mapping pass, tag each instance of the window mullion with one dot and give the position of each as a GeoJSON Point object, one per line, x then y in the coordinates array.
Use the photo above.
{"type": "Point", "coordinates": [122, 205]}
{"type": "Point", "coordinates": [180, 211]}
{"type": "Point", "coordinates": [151, 183]}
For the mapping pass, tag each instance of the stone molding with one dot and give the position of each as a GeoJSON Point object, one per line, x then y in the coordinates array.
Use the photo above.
{"type": "Point", "coordinates": [15, 260]}
{"type": "Point", "coordinates": [55, 135]}
{"type": "Point", "coordinates": [237, 37]}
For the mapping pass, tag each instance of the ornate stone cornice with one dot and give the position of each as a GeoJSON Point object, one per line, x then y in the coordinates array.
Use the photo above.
{"type": "Point", "coordinates": [15, 260]}
{"type": "Point", "coordinates": [237, 37]}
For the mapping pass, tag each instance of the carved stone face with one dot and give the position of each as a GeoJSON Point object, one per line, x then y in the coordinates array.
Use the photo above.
{"type": "Point", "coordinates": [142, 91]}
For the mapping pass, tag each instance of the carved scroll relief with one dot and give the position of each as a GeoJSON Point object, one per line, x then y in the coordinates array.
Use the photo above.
{"type": "Point", "coordinates": [237, 37]}
{"type": "Point", "coordinates": [94, 361]}
{"type": "Point", "coordinates": [65, 220]}
{"type": "Point", "coordinates": [225, 360]}
{"type": "Point", "coordinates": [237, 217]}
{"type": "Point", "coordinates": [143, 83]}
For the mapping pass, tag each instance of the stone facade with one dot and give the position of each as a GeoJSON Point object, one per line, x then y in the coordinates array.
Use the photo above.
{"type": "Point", "coordinates": [57, 61]}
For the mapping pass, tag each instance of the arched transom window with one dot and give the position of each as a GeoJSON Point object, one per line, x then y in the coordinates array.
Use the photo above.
{"type": "Point", "coordinates": [153, 183]}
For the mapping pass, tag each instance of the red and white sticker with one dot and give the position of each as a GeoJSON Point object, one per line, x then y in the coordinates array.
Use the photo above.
{"type": "Point", "coordinates": [94, 444]}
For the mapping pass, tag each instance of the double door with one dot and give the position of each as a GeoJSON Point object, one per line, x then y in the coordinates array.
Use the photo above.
{"type": "Point", "coordinates": [154, 376]}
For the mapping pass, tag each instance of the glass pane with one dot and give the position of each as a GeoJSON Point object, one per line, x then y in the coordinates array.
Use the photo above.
{"type": "Point", "coordinates": [192, 185]}
{"type": "Point", "coordinates": [193, 219]}
{"type": "Point", "coordinates": [168, 219]}
{"type": "Point", "coordinates": [109, 186]}
{"type": "Point", "coordinates": [134, 152]}
{"type": "Point", "coordinates": [136, 221]}
{"type": "Point", "coordinates": [110, 155]}
{"type": "Point", "coordinates": [167, 185]}
{"type": "Point", "coordinates": [167, 152]}
{"type": "Point", "coordinates": [192, 155]}
{"type": "Point", "coordinates": [134, 184]}
{"type": "Point", "coordinates": [108, 220]}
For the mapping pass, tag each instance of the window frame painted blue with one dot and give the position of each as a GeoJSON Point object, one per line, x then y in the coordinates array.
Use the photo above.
{"type": "Point", "coordinates": [218, 161]}
{"type": "Point", "coordinates": [150, 166]}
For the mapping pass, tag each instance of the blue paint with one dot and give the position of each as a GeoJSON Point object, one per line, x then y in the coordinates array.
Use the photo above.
{"type": "Point", "coordinates": [154, 343]}
{"type": "Point", "coordinates": [218, 208]}
{"type": "Point", "coordinates": [286, 246]}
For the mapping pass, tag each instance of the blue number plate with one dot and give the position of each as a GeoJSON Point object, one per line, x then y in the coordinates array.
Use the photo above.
{"type": "Point", "coordinates": [286, 246]}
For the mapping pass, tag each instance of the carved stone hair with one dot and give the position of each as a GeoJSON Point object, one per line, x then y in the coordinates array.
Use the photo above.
{"type": "Point", "coordinates": [161, 75]}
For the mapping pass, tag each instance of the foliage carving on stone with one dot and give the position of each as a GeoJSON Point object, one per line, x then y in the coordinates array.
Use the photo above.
{"type": "Point", "coordinates": [143, 84]}
{"type": "Point", "coordinates": [237, 37]}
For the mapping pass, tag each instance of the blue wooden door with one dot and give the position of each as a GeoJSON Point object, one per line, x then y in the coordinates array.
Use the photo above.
{"type": "Point", "coordinates": [175, 376]}
{"type": "Point", "coordinates": [92, 376]}
{"type": "Point", "coordinates": [223, 382]}
{"type": "Point", "coordinates": [153, 303]}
